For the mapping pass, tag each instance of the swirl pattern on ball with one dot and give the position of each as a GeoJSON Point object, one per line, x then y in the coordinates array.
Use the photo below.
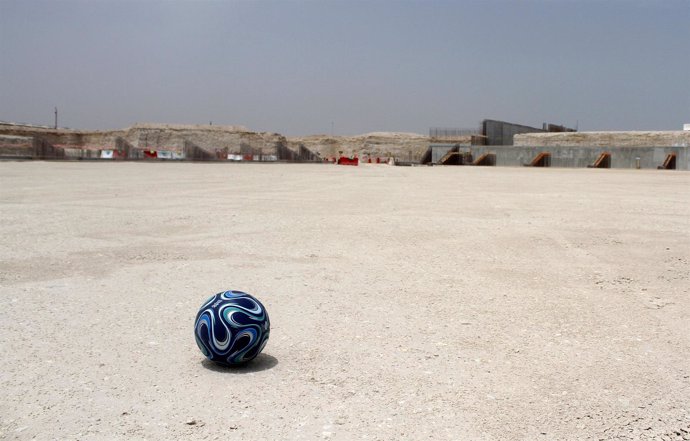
{"type": "Point", "coordinates": [231, 327]}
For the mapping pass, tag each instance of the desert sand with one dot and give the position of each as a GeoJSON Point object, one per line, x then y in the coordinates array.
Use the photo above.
{"type": "Point", "coordinates": [406, 302]}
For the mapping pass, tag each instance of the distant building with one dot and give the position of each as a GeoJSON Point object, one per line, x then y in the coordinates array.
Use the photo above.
{"type": "Point", "coordinates": [502, 132]}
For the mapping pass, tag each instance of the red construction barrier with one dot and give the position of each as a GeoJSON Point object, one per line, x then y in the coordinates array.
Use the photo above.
{"type": "Point", "coordinates": [348, 161]}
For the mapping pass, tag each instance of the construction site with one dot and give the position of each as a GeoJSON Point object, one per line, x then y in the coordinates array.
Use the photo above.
{"type": "Point", "coordinates": [479, 303]}
{"type": "Point", "coordinates": [494, 143]}
{"type": "Point", "coordinates": [502, 282]}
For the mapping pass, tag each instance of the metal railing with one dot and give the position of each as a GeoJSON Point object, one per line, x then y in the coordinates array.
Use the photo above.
{"type": "Point", "coordinates": [452, 132]}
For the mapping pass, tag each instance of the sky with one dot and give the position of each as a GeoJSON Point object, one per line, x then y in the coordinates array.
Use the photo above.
{"type": "Point", "coordinates": [346, 67]}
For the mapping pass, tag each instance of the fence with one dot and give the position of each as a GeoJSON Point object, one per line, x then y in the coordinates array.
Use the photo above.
{"type": "Point", "coordinates": [44, 150]}
{"type": "Point", "coordinates": [452, 132]}
{"type": "Point", "coordinates": [195, 153]}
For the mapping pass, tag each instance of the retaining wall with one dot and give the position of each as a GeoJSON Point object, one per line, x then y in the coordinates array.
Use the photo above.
{"type": "Point", "coordinates": [581, 157]}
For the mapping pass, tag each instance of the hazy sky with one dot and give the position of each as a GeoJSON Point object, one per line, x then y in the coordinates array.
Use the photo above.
{"type": "Point", "coordinates": [303, 67]}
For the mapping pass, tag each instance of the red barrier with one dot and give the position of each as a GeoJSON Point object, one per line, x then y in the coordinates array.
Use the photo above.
{"type": "Point", "coordinates": [348, 161]}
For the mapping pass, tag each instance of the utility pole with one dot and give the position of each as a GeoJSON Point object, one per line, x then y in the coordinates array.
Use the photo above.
{"type": "Point", "coordinates": [56, 117]}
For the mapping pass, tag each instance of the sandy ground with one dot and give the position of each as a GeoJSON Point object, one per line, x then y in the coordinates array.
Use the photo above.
{"type": "Point", "coordinates": [406, 303]}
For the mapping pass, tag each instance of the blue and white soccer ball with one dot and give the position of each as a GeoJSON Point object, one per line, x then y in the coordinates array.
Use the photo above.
{"type": "Point", "coordinates": [231, 328]}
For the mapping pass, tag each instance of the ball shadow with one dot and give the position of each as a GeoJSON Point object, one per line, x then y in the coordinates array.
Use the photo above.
{"type": "Point", "coordinates": [261, 363]}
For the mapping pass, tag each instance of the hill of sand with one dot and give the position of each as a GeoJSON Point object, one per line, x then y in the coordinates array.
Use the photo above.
{"type": "Point", "coordinates": [405, 146]}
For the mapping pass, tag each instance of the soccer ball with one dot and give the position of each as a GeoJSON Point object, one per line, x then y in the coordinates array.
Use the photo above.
{"type": "Point", "coordinates": [231, 328]}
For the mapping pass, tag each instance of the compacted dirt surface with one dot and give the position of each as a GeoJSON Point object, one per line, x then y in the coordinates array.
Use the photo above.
{"type": "Point", "coordinates": [406, 302]}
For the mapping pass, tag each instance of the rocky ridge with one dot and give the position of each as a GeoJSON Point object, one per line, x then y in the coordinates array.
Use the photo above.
{"type": "Point", "coordinates": [233, 139]}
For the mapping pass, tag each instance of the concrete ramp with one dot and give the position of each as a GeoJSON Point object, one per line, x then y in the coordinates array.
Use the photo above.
{"type": "Point", "coordinates": [669, 162]}
{"type": "Point", "coordinates": [451, 158]}
{"type": "Point", "coordinates": [426, 157]}
{"type": "Point", "coordinates": [603, 161]}
{"type": "Point", "coordinates": [455, 158]}
{"type": "Point", "coordinates": [543, 159]}
{"type": "Point", "coordinates": [487, 159]}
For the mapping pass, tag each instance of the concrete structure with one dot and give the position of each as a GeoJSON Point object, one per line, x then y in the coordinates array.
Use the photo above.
{"type": "Point", "coordinates": [678, 138]}
{"type": "Point", "coordinates": [438, 151]}
{"type": "Point", "coordinates": [201, 142]}
{"type": "Point", "coordinates": [502, 132]}
{"type": "Point", "coordinates": [582, 157]}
